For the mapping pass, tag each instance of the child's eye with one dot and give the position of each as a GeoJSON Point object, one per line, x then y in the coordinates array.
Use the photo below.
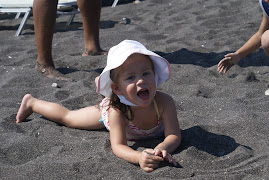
{"type": "Point", "coordinates": [146, 73]}
{"type": "Point", "coordinates": [131, 78]}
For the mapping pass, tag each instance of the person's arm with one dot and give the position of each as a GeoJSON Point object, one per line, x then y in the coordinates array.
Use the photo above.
{"type": "Point", "coordinates": [251, 45]}
{"type": "Point", "coordinates": [172, 131]}
{"type": "Point", "coordinates": [147, 161]}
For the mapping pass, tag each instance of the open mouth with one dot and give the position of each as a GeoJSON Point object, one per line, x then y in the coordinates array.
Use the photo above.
{"type": "Point", "coordinates": [143, 94]}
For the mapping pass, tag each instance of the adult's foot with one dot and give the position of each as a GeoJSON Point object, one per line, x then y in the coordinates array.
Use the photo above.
{"type": "Point", "coordinates": [94, 53]}
{"type": "Point", "coordinates": [50, 72]}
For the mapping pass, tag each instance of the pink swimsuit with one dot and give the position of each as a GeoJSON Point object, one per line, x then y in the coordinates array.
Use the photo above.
{"type": "Point", "coordinates": [133, 132]}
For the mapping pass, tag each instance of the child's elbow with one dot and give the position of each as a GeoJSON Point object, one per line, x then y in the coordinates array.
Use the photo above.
{"type": "Point", "coordinates": [177, 139]}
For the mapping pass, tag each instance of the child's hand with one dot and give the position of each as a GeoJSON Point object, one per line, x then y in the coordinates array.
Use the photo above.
{"type": "Point", "coordinates": [167, 156]}
{"type": "Point", "coordinates": [148, 161]}
{"type": "Point", "coordinates": [227, 62]}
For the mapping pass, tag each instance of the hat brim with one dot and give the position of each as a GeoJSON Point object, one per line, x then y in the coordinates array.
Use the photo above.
{"type": "Point", "coordinates": [265, 7]}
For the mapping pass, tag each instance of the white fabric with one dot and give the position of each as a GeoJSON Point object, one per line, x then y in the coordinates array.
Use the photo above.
{"type": "Point", "coordinates": [29, 3]}
{"type": "Point", "coordinates": [16, 3]}
{"type": "Point", "coordinates": [123, 100]}
{"type": "Point", "coordinates": [117, 56]}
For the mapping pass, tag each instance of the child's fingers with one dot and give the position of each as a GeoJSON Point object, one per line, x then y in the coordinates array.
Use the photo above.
{"type": "Point", "coordinates": [223, 61]}
{"type": "Point", "coordinates": [164, 154]}
{"type": "Point", "coordinates": [171, 159]}
{"type": "Point", "coordinates": [153, 157]}
{"type": "Point", "coordinates": [167, 156]}
{"type": "Point", "coordinates": [148, 169]}
{"type": "Point", "coordinates": [224, 65]}
{"type": "Point", "coordinates": [226, 59]}
{"type": "Point", "coordinates": [149, 151]}
{"type": "Point", "coordinates": [156, 158]}
{"type": "Point", "coordinates": [220, 63]}
{"type": "Point", "coordinates": [221, 68]}
{"type": "Point", "coordinates": [175, 162]}
{"type": "Point", "coordinates": [229, 55]}
{"type": "Point", "coordinates": [157, 152]}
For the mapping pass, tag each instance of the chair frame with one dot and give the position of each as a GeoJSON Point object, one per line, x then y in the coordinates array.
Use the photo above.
{"type": "Point", "coordinates": [27, 11]}
{"type": "Point", "coordinates": [115, 3]}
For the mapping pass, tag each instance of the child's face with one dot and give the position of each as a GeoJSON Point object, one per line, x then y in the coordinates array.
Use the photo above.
{"type": "Point", "coordinates": [136, 80]}
{"type": "Point", "coordinates": [266, 1]}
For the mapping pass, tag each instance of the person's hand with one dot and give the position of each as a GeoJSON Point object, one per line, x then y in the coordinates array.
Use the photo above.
{"type": "Point", "coordinates": [148, 161]}
{"type": "Point", "coordinates": [167, 156]}
{"type": "Point", "coordinates": [227, 62]}
{"type": "Point", "coordinates": [267, 1]}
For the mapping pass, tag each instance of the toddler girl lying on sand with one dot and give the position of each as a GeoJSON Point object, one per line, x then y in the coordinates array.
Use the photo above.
{"type": "Point", "coordinates": [132, 108]}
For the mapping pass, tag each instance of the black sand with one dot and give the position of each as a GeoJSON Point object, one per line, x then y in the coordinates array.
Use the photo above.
{"type": "Point", "coordinates": [224, 118]}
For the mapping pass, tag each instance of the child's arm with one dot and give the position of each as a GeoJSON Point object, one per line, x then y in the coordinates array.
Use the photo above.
{"type": "Point", "coordinates": [172, 131]}
{"type": "Point", "coordinates": [147, 161]}
{"type": "Point", "coordinates": [251, 45]}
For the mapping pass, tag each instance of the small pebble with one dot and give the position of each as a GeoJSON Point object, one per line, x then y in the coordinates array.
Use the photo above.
{"type": "Point", "coordinates": [55, 85]}
{"type": "Point", "coordinates": [136, 1]}
{"type": "Point", "coordinates": [267, 92]}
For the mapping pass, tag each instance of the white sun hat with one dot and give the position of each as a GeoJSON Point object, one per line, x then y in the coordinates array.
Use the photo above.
{"type": "Point", "coordinates": [117, 56]}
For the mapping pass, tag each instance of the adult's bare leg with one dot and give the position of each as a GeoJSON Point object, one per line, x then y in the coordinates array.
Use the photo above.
{"type": "Point", "coordinates": [90, 11]}
{"type": "Point", "coordinates": [44, 12]}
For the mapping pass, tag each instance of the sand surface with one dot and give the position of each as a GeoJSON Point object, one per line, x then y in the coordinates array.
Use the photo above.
{"type": "Point", "coordinates": [224, 118]}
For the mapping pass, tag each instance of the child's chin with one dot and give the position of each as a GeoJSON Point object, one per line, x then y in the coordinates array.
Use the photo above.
{"type": "Point", "coordinates": [144, 98]}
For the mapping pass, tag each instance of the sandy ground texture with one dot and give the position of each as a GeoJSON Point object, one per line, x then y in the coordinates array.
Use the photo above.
{"type": "Point", "coordinates": [224, 118]}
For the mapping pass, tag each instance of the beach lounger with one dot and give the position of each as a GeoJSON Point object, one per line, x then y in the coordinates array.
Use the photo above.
{"type": "Point", "coordinates": [115, 3]}
{"type": "Point", "coordinates": [25, 6]}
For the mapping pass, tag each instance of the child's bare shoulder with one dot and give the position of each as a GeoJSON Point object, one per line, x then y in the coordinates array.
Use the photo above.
{"type": "Point", "coordinates": [163, 99]}
{"type": "Point", "coordinates": [162, 96]}
{"type": "Point", "coordinates": [165, 103]}
{"type": "Point", "coordinates": [116, 116]}
{"type": "Point", "coordinates": [114, 111]}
